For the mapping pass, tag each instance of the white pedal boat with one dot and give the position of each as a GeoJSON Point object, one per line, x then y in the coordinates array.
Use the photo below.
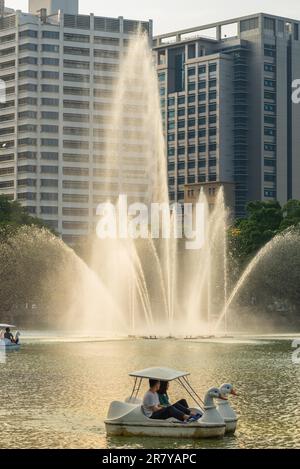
{"type": "Point", "coordinates": [127, 418]}
{"type": "Point", "coordinates": [6, 343]}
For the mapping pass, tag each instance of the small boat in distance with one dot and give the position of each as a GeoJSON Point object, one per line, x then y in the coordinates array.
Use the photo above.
{"type": "Point", "coordinates": [126, 418]}
{"type": "Point", "coordinates": [7, 343]}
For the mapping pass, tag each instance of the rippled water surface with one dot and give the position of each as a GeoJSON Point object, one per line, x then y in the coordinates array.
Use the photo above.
{"type": "Point", "coordinates": [55, 394]}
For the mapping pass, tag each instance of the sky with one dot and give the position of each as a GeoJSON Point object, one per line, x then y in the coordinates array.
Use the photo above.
{"type": "Point", "coordinates": [170, 15]}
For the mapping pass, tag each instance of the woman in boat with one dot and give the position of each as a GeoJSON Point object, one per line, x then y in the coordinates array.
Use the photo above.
{"type": "Point", "coordinates": [164, 401]}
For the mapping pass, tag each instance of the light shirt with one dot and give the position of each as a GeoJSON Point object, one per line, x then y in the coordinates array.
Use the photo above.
{"type": "Point", "coordinates": [151, 399]}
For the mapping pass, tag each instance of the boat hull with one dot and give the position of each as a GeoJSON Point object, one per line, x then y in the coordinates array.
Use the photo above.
{"type": "Point", "coordinates": [7, 345]}
{"type": "Point", "coordinates": [171, 430]}
{"type": "Point", "coordinates": [231, 426]}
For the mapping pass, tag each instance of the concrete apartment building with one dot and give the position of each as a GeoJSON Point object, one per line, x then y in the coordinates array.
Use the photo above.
{"type": "Point", "coordinates": [59, 68]}
{"type": "Point", "coordinates": [228, 114]}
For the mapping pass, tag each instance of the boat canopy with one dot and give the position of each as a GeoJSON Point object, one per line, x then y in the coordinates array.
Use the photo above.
{"type": "Point", "coordinates": [161, 374]}
{"type": "Point", "coordinates": [4, 326]}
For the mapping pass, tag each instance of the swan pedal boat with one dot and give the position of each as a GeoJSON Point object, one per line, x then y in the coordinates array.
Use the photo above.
{"type": "Point", "coordinates": [6, 343]}
{"type": "Point", "coordinates": [127, 418]}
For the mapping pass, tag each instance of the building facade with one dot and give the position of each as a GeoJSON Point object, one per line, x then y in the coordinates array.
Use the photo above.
{"type": "Point", "coordinates": [227, 107]}
{"type": "Point", "coordinates": [60, 69]}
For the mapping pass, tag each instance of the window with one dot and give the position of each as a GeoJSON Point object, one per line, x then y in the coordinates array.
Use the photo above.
{"type": "Point", "coordinates": [181, 165]}
{"type": "Point", "coordinates": [28, 61]}
{"type": "Point", "coordinates": [191, 98]}
{"type": "Point", "coordinates": [50, 75]}
{"type": "Point", "coordinates": [192, 164]}
{"type": "Point", "coordinates": [51, 142]}
{"type": "Point", "coordinates": [50, 61]}
{"type": "Point", "coordinates": [202, 69]}
{"type": "Point", "coordinates": [171, 137]}
{"type": "Point", "coordinates": [270, 193]}
{"type": "Point", "coordinates": [49, 182]}
{"type": "Point", "coordinates": [181, 135]}
{"type": "Point", "coordinates": [27, 74]}
{"type": "Point", "coordinates": [161, 77]}
{"type": "Point", "coordinates": [50, 48]}
{"type": "Point", "coordinates": [49, 196]}
{"type": "Point", "coordinates": [213, 67]}
{"type": "Point", "coordinates": [269, 67]}
{"type": "Point", "coordinates": [192, 86]}
{"type": "Point", "coordinates": [191, 122]}
{"type": "Point", "coordinates": [49, 169]}
{"type": "Point", "coordinates": [202, 109]}
{"type": "Point", "coordinates": [181, 150]}
{"type": "Point", "coordinates": [50, 88]}
{"type": "Point", "coordinates": [270, 163]}
{"type": "Point", "coordinates": [269, 147]}
{"type": "Point", "coordinates": [202, 133]}
{"type": "Point", "coordinates": [269, 24]}
{"type": "Point", "coordinates": [191, 110]}
{"type": "Point", "coordinates": [76, 37]}
{"type": "Point", "coordinates": [202, 96]}
{"type": "Point", "coordinates": [270, 120]}
{"type": "Point", "coordinates": [212, 119]}
{"type": "Point", "coordinates": [181, 112]}
{"type": "Point", "coordinates": [76, 64]}
{"type": "Point", "coordinates": [171, 101]}
{"type": "Point", "coordinates": [50, 102]}
{"type": "Point", "coordinates": [50, 156]}
{"type": "Point", "coordinates": [270, 132]}
{"type": "Point", "coordinates": [191, 71]}
{"type": "Point", "coordinates": [191, 134]}
{"type": "Point", "coordinates": [212, 132]}
{"type": "Point", "coordinates": [191, 51]}
{"type": "Point", "coordinates": [270, 52]}
{"type": "Point", "coordinates": [181, 124]}
{"type": "Point", "coordinates": [50, 34]}
{"type": "Point", "coordinates": [49, 210]}
{"type": "Point", "coordinates": [247, 25]}
{"type": "Point", "coordinates": [50, 115]}
{"type": "Point", "coordinates": [76, 51]}
{"type": "Point", "coordinates": [202, 121]}
{"type": "Point", "coordinates": [212, 147]}
{"type": "Point", "coordinates": [28, 33]}
{"type": "Point", "coordinates": [270, 83]}
{"type": "Point", "coordinates": [212, 107]}
{"type": "Point", "coordinates": [212, 95]}
{"type": "Point", "coordinates": [25, 47]}
{"type": "Point", "coordinates": [270, 95]}
{"type": "Point", "coordinates": [270, 107]}
{"type": "Point", "coordinates": [296, 32]}
{"type": "Point", "coordinates": [171, 151]}
{"type": "Point", "coordinates": [202, 148]}
{"type": "Point", "coordinates": [202, 84]}
{"type": "Point", "coordinates": [181, 100]}
{"type": "Point", "coordinates": [50, 128]}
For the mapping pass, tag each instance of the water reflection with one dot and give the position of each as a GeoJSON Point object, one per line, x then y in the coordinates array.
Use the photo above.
{"type": "Point", "coordinates": [56, 394]}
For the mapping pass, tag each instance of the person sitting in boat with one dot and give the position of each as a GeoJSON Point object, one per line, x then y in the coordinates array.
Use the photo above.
{"type": "Point", "coordinates": [154, 410]}
{"type": "Point", "coordinates": [8, 335]}
{"type": "Point", "coordinates": [181, 405]}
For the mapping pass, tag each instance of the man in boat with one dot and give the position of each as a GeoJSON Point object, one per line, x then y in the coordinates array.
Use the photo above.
{"type": "Point", "coordinates": [8, 335]}
{"type": "Point", "coordinates": [152, 408]}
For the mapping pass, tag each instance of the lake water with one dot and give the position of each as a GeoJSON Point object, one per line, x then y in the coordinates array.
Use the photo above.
{"type": "Point", "coordinates": [56, 393]}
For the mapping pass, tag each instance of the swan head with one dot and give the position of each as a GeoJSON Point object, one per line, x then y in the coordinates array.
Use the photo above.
{"type": "Point", "coordinates": [214, 393]}
{"type": "Point", "coordinates": [227, 389]}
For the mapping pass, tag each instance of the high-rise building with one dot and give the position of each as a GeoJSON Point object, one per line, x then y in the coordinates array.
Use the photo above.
{"type": "Point", "coordinates": [226, 98]}
{"type": "Point", "coordinates": [60, 69]}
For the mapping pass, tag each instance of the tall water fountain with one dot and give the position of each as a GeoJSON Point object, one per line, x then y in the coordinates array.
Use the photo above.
{"type": "Point", "coordinates": [161, 287]}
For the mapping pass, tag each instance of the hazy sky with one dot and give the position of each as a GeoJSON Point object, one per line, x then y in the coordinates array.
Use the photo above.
{"type": "Point", "coordinates": [169, 15]}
